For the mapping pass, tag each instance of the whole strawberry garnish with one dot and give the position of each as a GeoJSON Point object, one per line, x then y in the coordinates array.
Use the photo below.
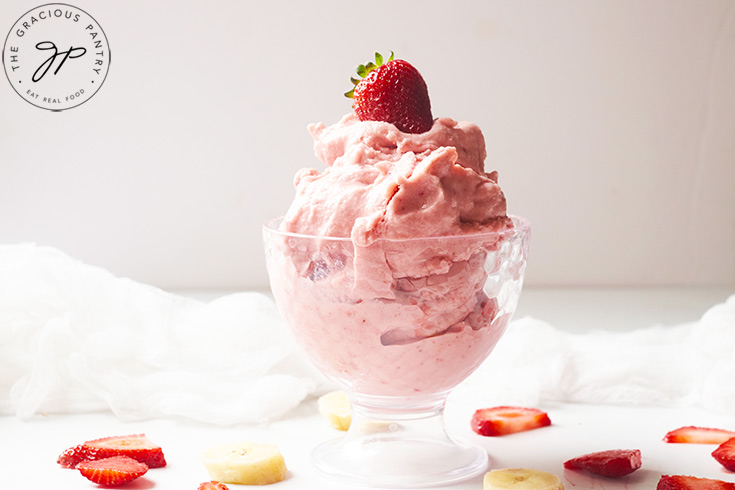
{"type": "Point", "coordinates": [114, 471]}
{"type": "Point", "coordinates": [393, 92]}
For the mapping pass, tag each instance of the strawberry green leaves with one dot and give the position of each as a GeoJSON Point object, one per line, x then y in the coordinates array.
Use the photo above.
{"type": "Point", "coordinates": [364, 70]}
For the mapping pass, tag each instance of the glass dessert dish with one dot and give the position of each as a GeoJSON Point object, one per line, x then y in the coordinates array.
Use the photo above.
{"type": "Point", "coordinates": [397, 324]}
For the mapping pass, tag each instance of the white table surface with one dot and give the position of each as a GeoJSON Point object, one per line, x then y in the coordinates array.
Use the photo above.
{"type": "Point", "coordinates": [28, 449]}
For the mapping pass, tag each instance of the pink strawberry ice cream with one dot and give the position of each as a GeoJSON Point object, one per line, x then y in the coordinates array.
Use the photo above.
{"type": "Point", "coordinates": [383, 183]}
{"type": "Point", "coordinates": [382, 267]}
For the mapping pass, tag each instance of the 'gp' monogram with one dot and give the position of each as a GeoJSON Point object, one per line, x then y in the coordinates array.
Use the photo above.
{"type": "Point", "coordinates": [46, 45]}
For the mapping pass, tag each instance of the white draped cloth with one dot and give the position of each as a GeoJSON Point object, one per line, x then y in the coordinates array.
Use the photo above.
{"type": "Point", "coordinates": [75, 338]}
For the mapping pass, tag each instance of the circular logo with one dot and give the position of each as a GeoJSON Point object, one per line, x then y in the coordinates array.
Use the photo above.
{"type": "Point", "coordinates": [56, 56]}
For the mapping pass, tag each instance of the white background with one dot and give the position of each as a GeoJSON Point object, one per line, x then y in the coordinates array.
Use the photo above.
{"type": "Point", "coordinates": [611, 122]}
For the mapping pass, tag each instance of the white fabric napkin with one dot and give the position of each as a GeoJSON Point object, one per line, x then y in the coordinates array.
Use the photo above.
{"type": "Point", "coordinates": [75, 338]}
{"type": "Point", "coordinates": [683, 365]}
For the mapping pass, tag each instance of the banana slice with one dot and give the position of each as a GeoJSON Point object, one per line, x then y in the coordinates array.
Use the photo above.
{"type": "Point", "coordinates": [521, 479]}
{"type": "Point", "coordinates": [335, 406]}
{"type": "Point", "coordinates": [245, 463]}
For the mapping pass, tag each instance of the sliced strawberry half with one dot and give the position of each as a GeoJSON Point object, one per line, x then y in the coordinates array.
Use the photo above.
{"type": "Point", "coordinates": [136, 446]}
{"type": "Point", "coordinates": [114, 471]}
{"type": "Point", "coordinates": [698, 435]}
{"type": "Point", "coordinates": [681, 482]}
{"type": "Point", "coordinates": [725, 454]}
{"type": "Point", "coordinates": [613, 463]}
{"type": "Point", "coordinates": [500, 421]}
{"type": "Point", "coordinates": [212, 485]}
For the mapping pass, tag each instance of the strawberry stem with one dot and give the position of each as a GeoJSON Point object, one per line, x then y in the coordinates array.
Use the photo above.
{"type": "Point", "coordinates": [364, 70]}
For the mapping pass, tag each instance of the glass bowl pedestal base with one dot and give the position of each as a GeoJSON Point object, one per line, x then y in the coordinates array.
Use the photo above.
{"type": "Point", "coordinates": [407, 448]}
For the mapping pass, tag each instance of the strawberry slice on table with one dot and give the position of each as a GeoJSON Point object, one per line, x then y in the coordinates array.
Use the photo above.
{"type": "Point", "coordinates": [212, 485]}
{"type": "Point", "coordinates": [681, 482]}
{"type": "Point", "coordinates": [725, 454]}
{"type": "Point", "coordinates": [500, 421]}
{"type": "Point", "coordinates": [114, 471]}
{"type": "Point", "coordinates": [698, 435]}
{"type": "Point", "coordinates": [613, 463]}
{"type": "Point", "coordinates": [394, 92]}
{"type": "Point", "coordinates": [71, 457]}
{"type": "Point", "coordinates": [136, 446]}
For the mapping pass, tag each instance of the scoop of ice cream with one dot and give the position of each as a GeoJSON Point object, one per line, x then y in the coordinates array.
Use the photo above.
{"type": "Point", "coordinates": [383, 183]}
{"type": "Point", "coordinates": [386, 268]}
{"type": "Point", "coordinates": [378, 140]}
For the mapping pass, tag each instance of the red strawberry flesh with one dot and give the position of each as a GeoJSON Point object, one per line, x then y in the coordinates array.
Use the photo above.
{"type": "Point", "coordinates": [613, 463]}
{"type": "Point", "coordinates": [681, 482]}
{"type": "Point", "coordinates": [212, 485]}
{"type": "Point", "coordinates": [698, 435]}
{"type": "Point", "coordinates": [136, 446]}
{"type": "Point", "coordinates": [500, 421]}
{"type": "Point", "coordinates": [725, 454]}
{"type": "Point", "coordinates": [114, 471]}
{"type": "Point", "coordinates": [71, 457]}
{"type": "Point", "coordinates": [395, 93]}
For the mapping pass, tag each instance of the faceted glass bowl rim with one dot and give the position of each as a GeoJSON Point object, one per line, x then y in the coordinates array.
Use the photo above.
{"type": "Point", "coordinates": [521, 226]}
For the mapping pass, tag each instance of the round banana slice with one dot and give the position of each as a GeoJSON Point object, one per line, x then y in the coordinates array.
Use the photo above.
{"type": "Point", "coordinates": [521, 479]}
{"type": "Point", "coordinates": [335, 406]}
{"type": "Point", "coordinates": [245, 463]}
